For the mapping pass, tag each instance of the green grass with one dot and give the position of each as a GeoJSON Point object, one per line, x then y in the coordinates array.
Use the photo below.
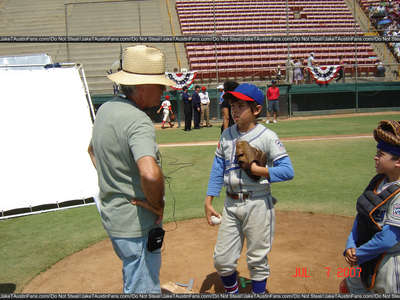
{"type": "Point", "coordinates": [362, 124]}
{"type": "Point", "coordinates": [32, 244]}
{"type": "Point", "coordinates": [178, 135]}
{"type": "Point", "coordinates": [329, 176]}
{"type": "Point", "coordinates": [187, 170]}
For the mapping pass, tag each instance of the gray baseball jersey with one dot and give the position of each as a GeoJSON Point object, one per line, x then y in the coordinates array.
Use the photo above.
{"type": "Point", "coordinates": [252, 218]}
{"type": "Point", "coordinates": [260, 137]}
{"type": "Point", "coordinates": [388, 274]}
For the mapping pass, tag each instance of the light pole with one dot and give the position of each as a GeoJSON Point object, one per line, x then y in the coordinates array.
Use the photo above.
{"type": "Point", "coordinates": [287, 61]}
{"type": "Point", "coordinates": [215, 45]}
{"type": "Point", "coordinates": [355, 52]}
{"type": "Point", "coordinates": [287, 26]}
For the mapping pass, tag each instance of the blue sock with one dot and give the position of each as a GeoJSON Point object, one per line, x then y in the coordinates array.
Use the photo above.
{"type": "Point", "coordinates": [259, 286]}
{"type": "Point", "coordinates": [230, 283]}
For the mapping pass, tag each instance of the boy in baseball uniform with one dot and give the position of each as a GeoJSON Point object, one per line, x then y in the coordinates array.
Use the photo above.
{"type": "Point", "coordinates": [166, 107]}
{"type": "Point", "coordinates": [248, 210]}
{"type": "Point", "coordinates": [373, 246]}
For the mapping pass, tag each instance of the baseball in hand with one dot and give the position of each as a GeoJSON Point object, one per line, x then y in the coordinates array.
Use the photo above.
{"type": "Point", "coordinates": [215, 220]}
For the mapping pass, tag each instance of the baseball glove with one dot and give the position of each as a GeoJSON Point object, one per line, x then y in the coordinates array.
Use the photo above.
{"type": "Point", "coordinates": [172, 116]}
{"type": "Point", "coordinates": [246, 155]}
{"type": "Point", "coordinates": [388, 131]}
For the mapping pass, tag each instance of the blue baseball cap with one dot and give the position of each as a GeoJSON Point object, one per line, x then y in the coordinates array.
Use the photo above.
{"type": "Point", "coordinates": [389, 148]}
{"type": "Point", "coordinates": [248, 92]}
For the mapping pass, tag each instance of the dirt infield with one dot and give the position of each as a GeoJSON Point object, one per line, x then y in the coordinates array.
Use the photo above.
{"type": "Point", "coordinates": [310, 242]}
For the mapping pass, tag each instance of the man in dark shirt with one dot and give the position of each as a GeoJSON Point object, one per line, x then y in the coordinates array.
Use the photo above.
{"type": "Point", "coordinates": [227, 119]}
{"type": "Point", "coordinates": [196, 107]}
{"type": "Point", "coordinates": [187, 108]}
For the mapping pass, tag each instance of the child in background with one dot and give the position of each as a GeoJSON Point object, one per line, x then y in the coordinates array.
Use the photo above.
{"type": "Point", "coordinates": [167, 110]}
{"type": "Point", "coordinates": [249, 208]}
{"type": "Point", "coordinates": [373, 247]}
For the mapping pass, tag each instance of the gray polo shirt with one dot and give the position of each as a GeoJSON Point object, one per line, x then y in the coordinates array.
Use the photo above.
{"type": "Point", "coordinates": [122, 134]}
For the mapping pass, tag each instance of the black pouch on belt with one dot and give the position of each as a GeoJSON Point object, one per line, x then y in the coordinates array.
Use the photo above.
{"type": "Point", "coordinates": [155, 240]}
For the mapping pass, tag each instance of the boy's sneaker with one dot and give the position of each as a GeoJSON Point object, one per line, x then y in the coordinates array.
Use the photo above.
{"type": "Point", "coordinates": [274, 121]}
{"type": "Point", "coordinates": [267, 122]}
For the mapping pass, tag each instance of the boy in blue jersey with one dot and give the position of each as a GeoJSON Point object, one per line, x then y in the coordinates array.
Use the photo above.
{"type": "Point", "coordinates": [249, 210]}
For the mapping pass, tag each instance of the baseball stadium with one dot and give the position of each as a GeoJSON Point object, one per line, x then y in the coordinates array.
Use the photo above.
{"type": "Point", "coordinates": [61, 52]}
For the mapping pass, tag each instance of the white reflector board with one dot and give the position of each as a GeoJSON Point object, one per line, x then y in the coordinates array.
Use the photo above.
{"type": "Point", "coordinates": [45, 125]}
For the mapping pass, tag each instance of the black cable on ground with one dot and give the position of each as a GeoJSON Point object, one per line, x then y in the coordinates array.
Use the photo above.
{"type": "Point", "coordinates": [168, 178]}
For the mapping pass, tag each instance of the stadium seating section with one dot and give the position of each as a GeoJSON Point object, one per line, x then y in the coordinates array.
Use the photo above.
{"type": "Point", "coordinates": [258, 18]}
{"type": "Point", "coordinates": [385, 17]}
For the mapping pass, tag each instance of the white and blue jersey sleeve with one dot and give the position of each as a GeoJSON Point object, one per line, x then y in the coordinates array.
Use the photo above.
{"type": "Point", "coordinates": [275, 149]}
{"type": "Point", "coordinates": [393, 212]}
{"type": "Point", "coordinates": [279, 164]}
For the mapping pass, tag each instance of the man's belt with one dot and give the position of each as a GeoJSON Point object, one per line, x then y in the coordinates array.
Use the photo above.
{"type": "Point", "coordinates": [238, 196]}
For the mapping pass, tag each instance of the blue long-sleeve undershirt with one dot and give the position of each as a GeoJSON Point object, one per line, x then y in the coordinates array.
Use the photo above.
{"type": "Point", "coordinates": [380, 242]}
{"type": "Point", "coordinates": [216, 180]}
{"type": "Point", "coordinates": [282, 170]}
{"type": "Point", "coordinates": [351, 240]}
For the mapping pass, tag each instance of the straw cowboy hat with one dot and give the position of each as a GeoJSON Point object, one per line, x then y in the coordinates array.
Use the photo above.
{"type": "Point", "coordinates": [142, 65]}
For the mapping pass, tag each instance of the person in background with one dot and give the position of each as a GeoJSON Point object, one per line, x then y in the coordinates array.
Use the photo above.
{"type": "Point", "coordinates": [304, 69]}
{"type": "Point", "coordinates": [310, 64]}
{"type": "Point", "coordinates": [289, 70]}
{"type": "Point", "coordinates": [205, 107]}
{"type": "Point", "coordinates": [227, 119]}
{"type": "Point", "coordinates": [187, 108]}
{"type": "Point", "coordinates": [167, 111]}
{"type": "Point", "coordinates": [297, 72]}
{"type": "Point", "coordinates": [220, 89]}
{"type": "Point", "coordinates": [272, 98]}
{"type": "Point", "coordinates": [196, 103]}
{"type": "Point", "coordinates": [380, 69]}
{"type": "Point", "coordinates": [341, 70]}
{"type": "Point", "coordinates": [277, 73]}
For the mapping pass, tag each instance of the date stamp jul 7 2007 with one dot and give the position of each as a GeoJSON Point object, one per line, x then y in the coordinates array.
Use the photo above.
{"type": "Point", "coordinates": [340, 272]}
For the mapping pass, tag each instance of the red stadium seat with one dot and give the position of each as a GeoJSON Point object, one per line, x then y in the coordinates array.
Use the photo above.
{"type": "Point", "coordinates": [246, 18]}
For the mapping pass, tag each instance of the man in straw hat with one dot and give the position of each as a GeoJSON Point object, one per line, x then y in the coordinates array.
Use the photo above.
{"type": "Point", "coordinates": [124, 151]}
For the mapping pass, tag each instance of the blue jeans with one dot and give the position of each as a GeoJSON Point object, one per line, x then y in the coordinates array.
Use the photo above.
{"type": "Point", "coordinates": [141, 268]}
{"type": "Point", "coordinates": [273, 105]}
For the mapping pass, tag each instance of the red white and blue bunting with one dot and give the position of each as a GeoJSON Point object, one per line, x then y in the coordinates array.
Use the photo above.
{"type": "Point", "coordinates": [323, 75]}
{"type": "Point", "coordinates": [182, 79]}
